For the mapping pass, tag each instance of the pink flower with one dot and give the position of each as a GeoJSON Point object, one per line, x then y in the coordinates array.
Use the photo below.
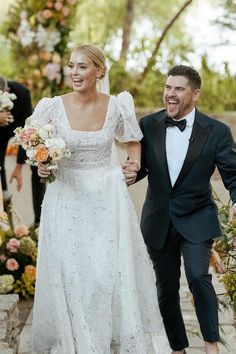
{"type": "Point", "coordinates": [234, 244]}
{"type": "Point", "coordinates": [72, 2]}
{"type": "Point", "coordinates": [25, 135]}
{"type": "Point", "coordinates": [3, 258]}
{"type": "Point", "coordinates": [13, 245]}
{"type": "Point", "coordinates": [12, 264]}
{"type": "Point", "coordinates": [58, 6]}
{"type": "Point", "coordinates": [65, 11]}
{"type": "Point", "coordinates": [47, 14]}
{"type": "Point", "coordinates": [21, 230]}
{"type": "Point", "coordinates": [49, 4]}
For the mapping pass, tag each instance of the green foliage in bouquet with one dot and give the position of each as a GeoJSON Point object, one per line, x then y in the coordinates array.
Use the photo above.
{"type": "Point", "coordinates": [18, 252]}
{"type": "Point", "coordinates": [39, 34]}
{"type": "Point", "coordinates": [226, 248]}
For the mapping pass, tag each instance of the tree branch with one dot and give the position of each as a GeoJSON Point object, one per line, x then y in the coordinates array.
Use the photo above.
{"type": "Point", "coordinates": [152, 59]}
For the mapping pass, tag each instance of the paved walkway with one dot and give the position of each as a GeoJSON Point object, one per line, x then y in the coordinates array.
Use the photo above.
{"type": "Point", "coordinates": [23, 204]}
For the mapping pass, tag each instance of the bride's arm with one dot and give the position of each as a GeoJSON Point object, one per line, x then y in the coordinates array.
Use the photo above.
{"type": "Point", "coordinates": [132, 165]}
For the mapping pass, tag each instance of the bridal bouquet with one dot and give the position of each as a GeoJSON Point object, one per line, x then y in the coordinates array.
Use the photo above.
{"type": "Point", "coordinates": [6, 103]}
{"type": "Point", "coordinates": [41, 146]}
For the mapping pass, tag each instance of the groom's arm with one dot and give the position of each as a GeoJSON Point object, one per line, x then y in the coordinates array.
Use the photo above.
{"type": "Point", "coordinates": [131, 171]}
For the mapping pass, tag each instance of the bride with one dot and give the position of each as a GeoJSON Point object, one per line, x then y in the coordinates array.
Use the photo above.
{"type": "Point", "coordinates": [95, 289]}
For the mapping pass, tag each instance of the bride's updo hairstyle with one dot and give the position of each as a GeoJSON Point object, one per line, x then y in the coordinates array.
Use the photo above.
{"type": "Point", "coordinates": [95, 54]}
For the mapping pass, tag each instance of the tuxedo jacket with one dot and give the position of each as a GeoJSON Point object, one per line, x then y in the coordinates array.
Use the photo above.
{"type": "Point", "coordinates": [189, 203]}
{"type": "Point", "coordinates": [21, 110]}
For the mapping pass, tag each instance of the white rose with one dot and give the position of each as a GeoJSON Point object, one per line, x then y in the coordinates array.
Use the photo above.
{"type": "Point", "coordinates": [43, 133]}
{"type": "Point", "coordinates": [49, 143]}
{"type": "Point", "coordinates": [30, 153]}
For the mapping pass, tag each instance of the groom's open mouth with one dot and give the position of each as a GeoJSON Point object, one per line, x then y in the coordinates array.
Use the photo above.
{"type": "Point", "coordinates": [172, 104]}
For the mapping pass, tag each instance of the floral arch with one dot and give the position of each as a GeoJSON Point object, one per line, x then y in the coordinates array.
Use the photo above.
{"type": "Point", "coordinates": [39, 34]}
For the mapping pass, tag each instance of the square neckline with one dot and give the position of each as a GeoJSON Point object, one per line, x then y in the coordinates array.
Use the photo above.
{"type": "Point", "coordinates": [86, 131]}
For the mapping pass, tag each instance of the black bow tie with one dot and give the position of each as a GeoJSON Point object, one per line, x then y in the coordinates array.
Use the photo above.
{"type": "Point", "coordinates": [181, 124]}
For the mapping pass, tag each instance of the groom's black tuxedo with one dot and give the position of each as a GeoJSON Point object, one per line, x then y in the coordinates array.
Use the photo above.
{"type": "Point", "coordinates": [183, 219]}
{"type": "Point", "coordinates": [189, 204]}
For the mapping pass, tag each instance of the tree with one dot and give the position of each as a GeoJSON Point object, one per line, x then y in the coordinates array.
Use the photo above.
{"type": "Point", "coordinates": [229, 17]}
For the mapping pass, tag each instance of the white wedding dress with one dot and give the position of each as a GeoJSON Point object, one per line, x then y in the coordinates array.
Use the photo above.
{"type": "Point", "coordinates": [95, 290]}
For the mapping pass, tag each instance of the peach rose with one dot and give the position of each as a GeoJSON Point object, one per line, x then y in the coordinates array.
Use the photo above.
{"type": "Point", "coordinates": [30, 272]}
{"type": "Point", "coordinates": [58, 6]}
{"type": "Point", "coordinates": [13, 245]}
{"type": "Point", "coordinates": [12, 264]}
{"type": "Point", "coordinates": [47, 14]}
{"type": "Point", "coordinates": [65, 11]}
{"type": "Point", "coordinates": [46, 56]}
{"type": "Point", "coordinates": [37, 74]}
{"type": "Point", "coordinates": [62, 22]}
{"type": "Point", "coordinates": [41, 154]}
{"type": "Point", "coordinates": [21, 230]}
{"type": "Point", "coordinates": [49, 4]}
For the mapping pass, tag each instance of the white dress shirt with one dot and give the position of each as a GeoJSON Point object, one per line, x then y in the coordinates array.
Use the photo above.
{"type": "Point", "coordinates": [177, 143]}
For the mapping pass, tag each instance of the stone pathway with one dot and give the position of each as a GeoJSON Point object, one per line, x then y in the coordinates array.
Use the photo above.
{"type": "Point", "coordinates": [228, 331]}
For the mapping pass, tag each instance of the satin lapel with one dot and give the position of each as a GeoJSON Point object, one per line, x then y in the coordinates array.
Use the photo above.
{"type": "Point", "coordinates": [159, 144]}
{"type": "Point", "coordinates": [198, 139]}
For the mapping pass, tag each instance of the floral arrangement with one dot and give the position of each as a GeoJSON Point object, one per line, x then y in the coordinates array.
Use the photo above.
{"type": "Point", "coordinates": [41, 146]}
{"type": "Point", "coordinates": [38, 32]}
{"type": "Point", "coordinates": [224, 259]}
{"type": "Point", "coordinates": [6, 101]}
{"type": "Point", "coordinates": [18, 251]}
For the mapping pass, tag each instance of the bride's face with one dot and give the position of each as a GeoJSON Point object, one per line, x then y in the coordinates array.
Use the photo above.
{"type": "Point", "coordinates": [83, 72]}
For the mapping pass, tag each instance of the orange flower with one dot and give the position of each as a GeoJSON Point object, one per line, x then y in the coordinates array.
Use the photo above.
{"type": "Point", "coordinates": [30, 272]}
{"type": "Point", "coordinates": [41, 153]}
{"type": "Point", "coordinates": [46, 56]}
{"type": "Point", "coordinates": [216, 262]}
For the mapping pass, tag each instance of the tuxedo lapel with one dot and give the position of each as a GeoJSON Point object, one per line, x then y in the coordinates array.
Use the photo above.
{"type": "Point", "coordinates": [159, 143]}
{"type": "Point", "coordinates": [197, 141]}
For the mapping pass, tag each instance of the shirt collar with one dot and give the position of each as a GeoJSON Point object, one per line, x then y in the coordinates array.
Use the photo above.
{"type": "Point", "coordinates": [189, 118]}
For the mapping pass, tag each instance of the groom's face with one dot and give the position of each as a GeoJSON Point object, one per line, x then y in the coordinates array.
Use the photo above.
{"type": "Point", "coordinates": [179, 97]}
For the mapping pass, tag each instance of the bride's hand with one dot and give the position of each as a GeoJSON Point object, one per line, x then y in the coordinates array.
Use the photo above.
{"type": "Point", "coordinates": [43, 170]}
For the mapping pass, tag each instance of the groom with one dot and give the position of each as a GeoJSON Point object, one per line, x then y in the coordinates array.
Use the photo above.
{"type": "Point", "coordinates": [180, 149]}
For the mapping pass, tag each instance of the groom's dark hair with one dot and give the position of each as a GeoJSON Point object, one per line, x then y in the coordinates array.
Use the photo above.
{"type": "Point", "coordinates": [192, 75]}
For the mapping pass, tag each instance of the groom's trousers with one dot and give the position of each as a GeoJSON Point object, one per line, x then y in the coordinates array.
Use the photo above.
{"type": "Point", "coordinates": [166, 264]}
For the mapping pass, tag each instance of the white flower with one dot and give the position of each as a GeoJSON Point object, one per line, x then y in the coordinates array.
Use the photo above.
{"type": "Point", "coordinates": [6, 283]}
{"type": "Point", "coordinates": [24, 32]}
{"type": "Point", "coordinates": [43, 133]}
{"type": "Point", "coordinates": [47, 39]}
{"type": "Point", "coordinates": [6, 99]}
{"type": "Point", "coordinates": [30, 153]}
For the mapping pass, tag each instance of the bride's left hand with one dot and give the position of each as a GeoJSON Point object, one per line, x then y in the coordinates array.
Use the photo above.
{"type": "Point", "coordinates": [43, 170]}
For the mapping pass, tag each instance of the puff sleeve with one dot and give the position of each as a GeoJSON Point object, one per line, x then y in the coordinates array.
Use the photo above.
{"type": "Point", "coordinates": [43, 111]}
{"type": "Point", "coordinates": [127, 128]}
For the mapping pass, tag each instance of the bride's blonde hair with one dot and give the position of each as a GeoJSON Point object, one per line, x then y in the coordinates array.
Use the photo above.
{"type": "Point", "coordinates": [95, 54]}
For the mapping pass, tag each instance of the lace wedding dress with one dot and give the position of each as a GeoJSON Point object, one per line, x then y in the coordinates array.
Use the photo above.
{"type": "Point", "coordinates": [95, 291]}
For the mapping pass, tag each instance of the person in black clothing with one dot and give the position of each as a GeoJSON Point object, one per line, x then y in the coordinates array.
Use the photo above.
{"type": "Point", "coordinates": [9, 121]}
{"type": "Point", "coordinates": [181, 147]}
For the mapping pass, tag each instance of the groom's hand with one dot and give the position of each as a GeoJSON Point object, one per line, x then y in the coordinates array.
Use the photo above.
{"type": "Point", "coordinates": [130, 170]}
